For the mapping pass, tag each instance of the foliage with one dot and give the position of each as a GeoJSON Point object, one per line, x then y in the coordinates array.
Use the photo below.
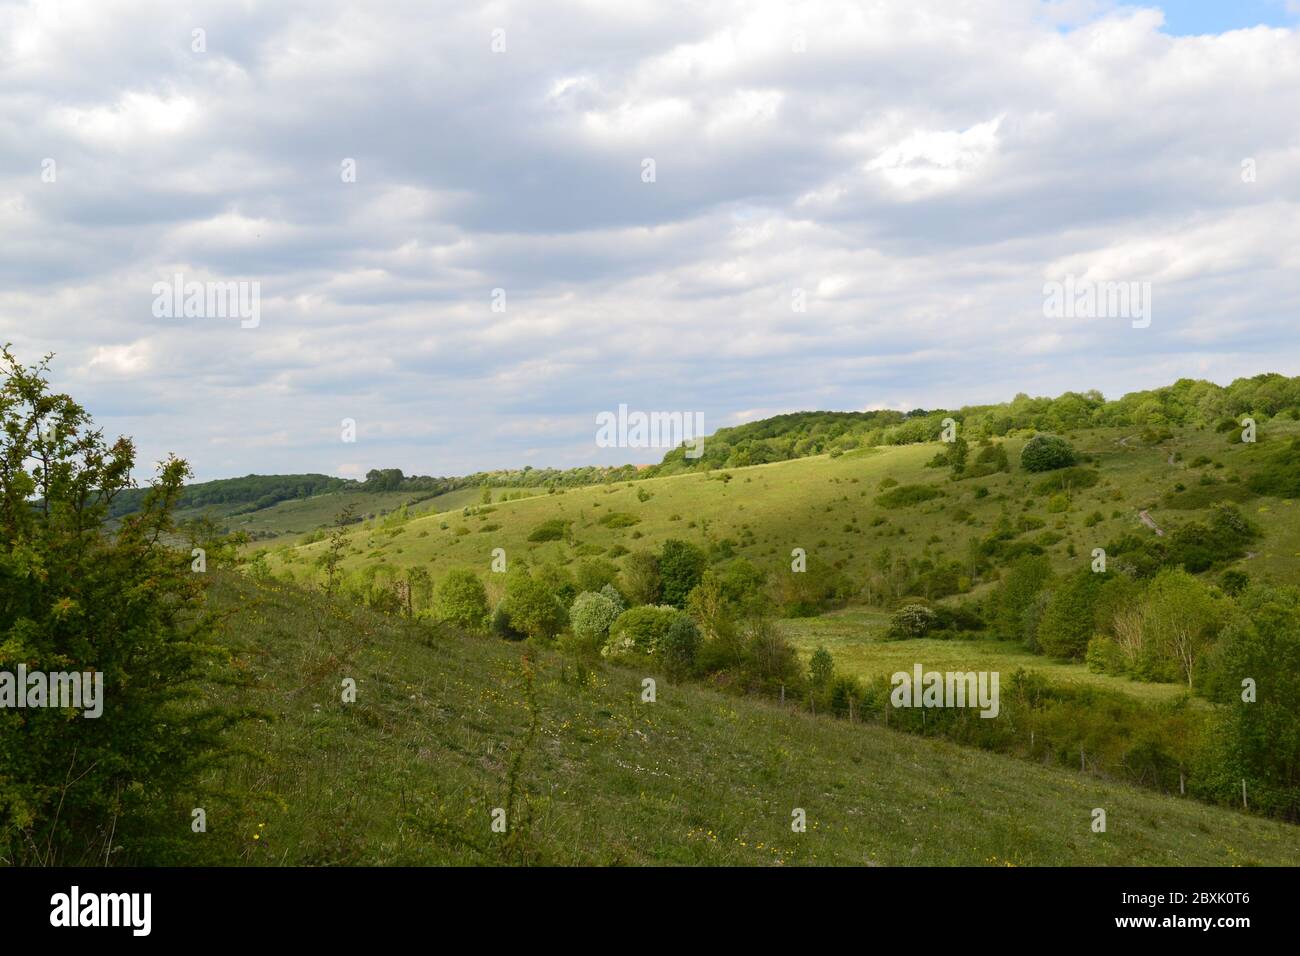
{"type": "Point", "coordinates": [461, 599]}
{"type": "Point", "coordinates": [1046, 453]}
{"type": "Point", "coordinates": [74, 788]}
{"type": "Point", "coordinates": [591, 615]}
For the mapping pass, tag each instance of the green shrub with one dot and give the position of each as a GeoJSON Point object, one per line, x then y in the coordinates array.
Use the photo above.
{"type": "Point", "coordinates": [532, 606]}
{"type": "Point", "coordinates": [678, 646]}
{"type": "Point", "coordinates": [911, 620]}
{"type": "Point", "coordinates": [905, 495]}
{"type": "Point", "coordinates": [591, 615]}
{"type": "Point", "coordinates": [1046, 453]}
{"type": "Point", "coordinates": [1067, 480]}
{"type": "Point", "coordinates": [460, 599]}
{"type": "Point", "coordinates": [78, 599]}
{"type": "Point", "coordinates": [639, 630]}
{"type": "Point", "coordinates": [619, 519]}
{"type": "Point", "coordinates": [680, 566]}
{"type": "Point", "coordinates": [553, 529]}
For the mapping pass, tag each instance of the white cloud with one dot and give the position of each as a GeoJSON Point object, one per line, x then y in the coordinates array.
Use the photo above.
{"type": "Point", "coordinates": [918, 172]}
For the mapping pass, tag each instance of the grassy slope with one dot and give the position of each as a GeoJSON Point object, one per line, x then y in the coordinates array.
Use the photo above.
{"type": "Point", "coordinates": [696, 778]}
{"type": "Point", "coordinates": [298, 516]}
{"type": "Point", "coordinates": [826, 506]}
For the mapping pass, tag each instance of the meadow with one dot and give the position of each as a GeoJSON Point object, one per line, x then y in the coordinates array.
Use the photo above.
{"type": "Point", "coordinates": [856, 639]}
{"type": "Point", "coordinates": [828, 507]}
{"type": "Point", "coordinates": [410, 773]}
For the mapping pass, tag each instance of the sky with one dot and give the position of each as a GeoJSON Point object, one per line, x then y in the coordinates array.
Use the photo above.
{"type": "Point", "coordinates": [473, 228]}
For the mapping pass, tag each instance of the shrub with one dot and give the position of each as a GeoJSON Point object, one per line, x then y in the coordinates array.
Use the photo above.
{"type": "Point", "coordinates": [678, 646]}
{"type": "Point", "coordinates": [1067, 622]}
{"type": "Point", "coordinates": [592, 574]}
{"type": "Point", "coordinates": [911, 620]}
{"type": "Point", "coordinates": [641, 581]}
{"type": "Point", "coordinates": [619, 519]}
{"type": "Point", "coordinates": [905, 495]}
{"type": "Point", "coordinates": [639, 630]}
{"type": "Point", "coordinates": [532, 606]}
{"type": "Point", "coordinates": [680, 567]}
{"type": "Point", "coordinates": [553, 529]}
{"type": "Point", "coordinates": [501, 626]}
{"type": "Point", "coordinates": [460, 599]}
{"type": "Point", "coordinates": [1104, 655]}
{"type": "Point", "coordinates": [75, 597]}
{"type": "Point", "coordinates": [1067, 480]}
{"type": "Point", "coordinates": [591, 615]}
{"type": "Point", "coordinates": [1046, 453]}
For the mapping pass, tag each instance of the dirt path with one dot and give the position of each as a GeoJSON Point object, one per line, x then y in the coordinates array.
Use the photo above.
{"type": "Point", "coordinates": [1145, 517]}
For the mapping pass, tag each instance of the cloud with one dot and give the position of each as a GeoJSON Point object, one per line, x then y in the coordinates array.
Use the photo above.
{"type": "Point", "coordinates": [853, 206]}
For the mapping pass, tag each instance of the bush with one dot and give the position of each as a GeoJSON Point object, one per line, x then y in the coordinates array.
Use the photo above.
{"type": "Point", "coordinates": [1067, 480]}
{"type": "Point", "coordinates": [680, 567]}
{"type": "Point", "coordinates": [639, 630]}
{"type": "Point", "coordinates": [905, 495]}
{"type": "Point", "coordinates": [912, 620]}
{"type": "Point", "coordinates": [592, 574]}
{"type": "Point", "coordinates": [532, 606]}
{"type": "Point", "coordinates": [553, 529]}
{"type": "Point", "coordinates": [1104, 656]}
{"type": "Point", "coordinates": [76, 598]}
{"type": "Point", "coordinates": [619, 519]}
{"type": "Point", "coordinates": [641, 581]}
{"type": "Point", "coordinates": [678, 646]}
{"type": "Point", "coordinates": [1067, 622]}
{"type": "Point", "coordinates": [1046, 453]}
{"type": "Point", "coordinates": [591, 615]}
{"type": "Point", "coordinates": [501, 626]}
{"type": "Point", "coordinates": [460, 599]}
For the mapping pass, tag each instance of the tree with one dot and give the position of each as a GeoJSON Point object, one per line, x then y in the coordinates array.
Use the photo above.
{"type": "Point", "coordinates": [678, 646]}
{"type": "Point", "coordinates": [708, 607]}
{"type": "Point", "coordinates": [591, 615]}
{"type": "Point", "coordinates": [1045, 453]}
{"type": "Point", "coordinates": [681, 565]}
{"type": "Point", "coordinates": [641, 581]}
{"type": "Point", "coordinates": [1027, 577]}
{"type": "Point", "coordinates": [1259, 737]}
{"type": "Point", "coordinates": [957, 453]}
{"type": "Point", "coordinates": [821, 669]}
{"type": "Point", "coordinates": [533, 606]}
{"type": "Point", "coordinates": [592, 574]}
{"type": "Point", "coordinates": [640, 629]}
{"type": "Point", "coordinates": [333, 555]}
{"type": "Point", "coordinates": [912, 620]}
{"type": "Point", "coordinates": [1068, 621]}
{"type": "Point", "coordinates": [461, 600]}
{"type": "Point", "coordinates": [1182, 617]}
{"type": "Point", "coordinates": [118, 608]}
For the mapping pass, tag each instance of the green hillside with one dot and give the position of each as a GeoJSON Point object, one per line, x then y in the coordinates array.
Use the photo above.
{"type": "Point", "coordinates": [829, 506]}
{"type": "Point", "coordinates": [410, 772]}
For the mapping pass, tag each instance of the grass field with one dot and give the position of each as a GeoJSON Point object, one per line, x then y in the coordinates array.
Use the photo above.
{"type": "Point", "coordinates": [856, 640]}
{"type": "Point", "coordinates": [410, 772]}
{"type": "Point", "coordinates": [827, 506]}
{"type": "Point", "coordinates": [297, 517]}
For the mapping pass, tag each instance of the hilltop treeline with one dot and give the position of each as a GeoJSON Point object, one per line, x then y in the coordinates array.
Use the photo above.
{"type": "Point", "coordinates": [797, 435]}
{"type": "Point", "coordinates": [255, 491]}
